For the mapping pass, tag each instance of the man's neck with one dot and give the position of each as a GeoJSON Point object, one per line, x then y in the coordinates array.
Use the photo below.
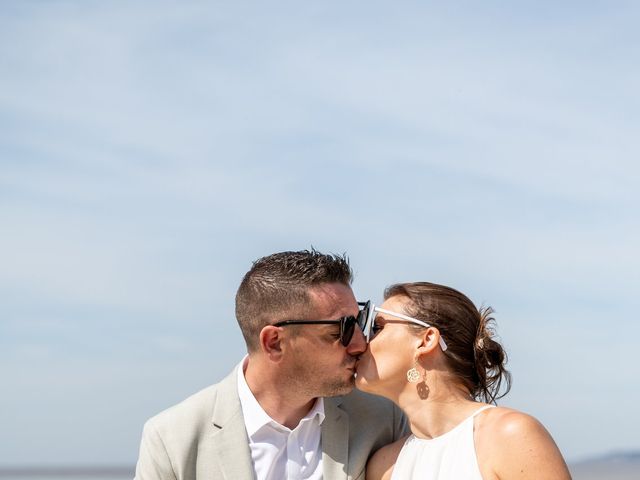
{"type": "Point", "coordinates": [274, 394]}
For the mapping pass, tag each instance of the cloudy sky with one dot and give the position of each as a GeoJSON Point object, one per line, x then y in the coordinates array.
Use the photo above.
{"type": "Point", "coordinates": [150, 151]}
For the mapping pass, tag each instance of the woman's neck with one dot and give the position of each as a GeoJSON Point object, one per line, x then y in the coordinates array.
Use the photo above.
{"type": "Point", "coordinates": [435, 407]}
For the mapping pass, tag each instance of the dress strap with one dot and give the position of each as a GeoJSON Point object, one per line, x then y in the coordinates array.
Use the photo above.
{"type": "Point", "coordinates": [482, 409]}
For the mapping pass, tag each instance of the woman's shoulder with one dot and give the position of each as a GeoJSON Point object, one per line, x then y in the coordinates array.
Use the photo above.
{"type": "Point", "coordinates": [525, 446]}
{"type": "Point", "coordinates": [380, 465]}
{"type": "Point", "coordinates": [504, 423]}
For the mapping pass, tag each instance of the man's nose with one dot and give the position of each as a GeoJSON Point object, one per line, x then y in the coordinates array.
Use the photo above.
{"type": "Point", "coordinates": [358, 343]}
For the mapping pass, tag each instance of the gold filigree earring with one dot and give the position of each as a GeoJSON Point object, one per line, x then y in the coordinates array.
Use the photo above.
{"type": "Point", "coordinates": [413, 375]}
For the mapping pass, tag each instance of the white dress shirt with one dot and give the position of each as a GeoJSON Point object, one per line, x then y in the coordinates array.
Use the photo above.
{"type": "Point", "coordinates": [276, 451]}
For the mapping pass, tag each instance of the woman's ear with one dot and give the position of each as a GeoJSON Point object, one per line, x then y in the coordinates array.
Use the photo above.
{"type": "Point", "coordinates": [271, 342]}
{"type": "Point", "coordinates": [428, 341]}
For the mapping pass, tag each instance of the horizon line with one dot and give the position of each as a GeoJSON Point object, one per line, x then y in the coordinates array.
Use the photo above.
{"type": "Point", "coordinates": [66, 470]}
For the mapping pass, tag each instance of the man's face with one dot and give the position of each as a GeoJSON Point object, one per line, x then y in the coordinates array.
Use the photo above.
{"type": "Point", "coordinates": [318, 365]}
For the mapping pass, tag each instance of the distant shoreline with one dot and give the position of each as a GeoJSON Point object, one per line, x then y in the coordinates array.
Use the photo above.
{"type": "Point", "coordinates": [68, 471]}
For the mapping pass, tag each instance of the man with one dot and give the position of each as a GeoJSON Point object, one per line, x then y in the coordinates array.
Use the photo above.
{"type": "Point", "coordinates": [288, 410]}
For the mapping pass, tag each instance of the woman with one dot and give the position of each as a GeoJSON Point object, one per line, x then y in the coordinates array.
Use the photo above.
{"type": "Point", "coordinates": [432, 353]}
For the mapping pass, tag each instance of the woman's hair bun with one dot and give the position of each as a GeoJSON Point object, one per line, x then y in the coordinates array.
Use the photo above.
{"type": "Point", "coordinates": [490, 358]}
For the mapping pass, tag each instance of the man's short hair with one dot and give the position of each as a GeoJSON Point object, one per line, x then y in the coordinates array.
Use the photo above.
{"type": "Point", "coordinates": [276, 288]}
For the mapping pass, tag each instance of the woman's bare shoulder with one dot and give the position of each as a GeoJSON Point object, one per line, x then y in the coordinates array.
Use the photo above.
{"type": "Point", "coordinates": [526, 447]}
{"type": "Point", "coordinates": [380, 465]}
{"type": "Point", "coordinates": [506, 423]}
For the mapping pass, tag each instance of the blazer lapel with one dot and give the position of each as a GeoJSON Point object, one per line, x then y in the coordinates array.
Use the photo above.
{"type": "Point", "coordinates": [335, 441]}
{"type": "Point", "coordinates": [228, 445]}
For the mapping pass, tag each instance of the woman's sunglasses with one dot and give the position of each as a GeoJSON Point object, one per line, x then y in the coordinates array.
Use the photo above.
{"type": "Point", "coordinates": [367, 319]}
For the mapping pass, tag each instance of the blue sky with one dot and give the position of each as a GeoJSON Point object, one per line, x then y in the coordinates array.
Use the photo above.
{"type": "Point", "coordinates": [150, 151]}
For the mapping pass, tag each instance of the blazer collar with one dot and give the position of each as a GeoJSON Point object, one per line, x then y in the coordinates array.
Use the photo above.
{"type": "Point", "coordinates": [335, 440]}
{"type": "Point", "coordinates": [228, 443]}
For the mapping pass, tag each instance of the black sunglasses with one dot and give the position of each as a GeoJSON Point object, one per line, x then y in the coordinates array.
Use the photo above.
{"type": "Point", "coordinates": [347, 325]}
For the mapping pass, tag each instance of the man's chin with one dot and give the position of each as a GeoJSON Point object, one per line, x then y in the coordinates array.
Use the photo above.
{"type": "Point", "coordinates": [343, 388]}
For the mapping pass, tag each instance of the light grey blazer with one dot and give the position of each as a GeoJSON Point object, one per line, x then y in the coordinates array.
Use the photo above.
{"type": "Point", "coordinates": [204, 436]}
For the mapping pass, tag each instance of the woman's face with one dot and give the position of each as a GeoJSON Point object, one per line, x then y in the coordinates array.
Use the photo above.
{"type": "Point", "coordinates": [382, 369]}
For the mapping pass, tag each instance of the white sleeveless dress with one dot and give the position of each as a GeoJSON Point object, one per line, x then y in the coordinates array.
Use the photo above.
{"type": "Point", "coordinates": [451, 456]}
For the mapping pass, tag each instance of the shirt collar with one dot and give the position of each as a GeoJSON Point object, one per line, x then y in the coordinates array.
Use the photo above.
{"type": "Point", "coordinates": [254, 415]}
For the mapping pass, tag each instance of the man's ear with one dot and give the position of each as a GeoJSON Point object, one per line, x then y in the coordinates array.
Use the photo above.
{"type": "Point", "coordinates": [271, 342]}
